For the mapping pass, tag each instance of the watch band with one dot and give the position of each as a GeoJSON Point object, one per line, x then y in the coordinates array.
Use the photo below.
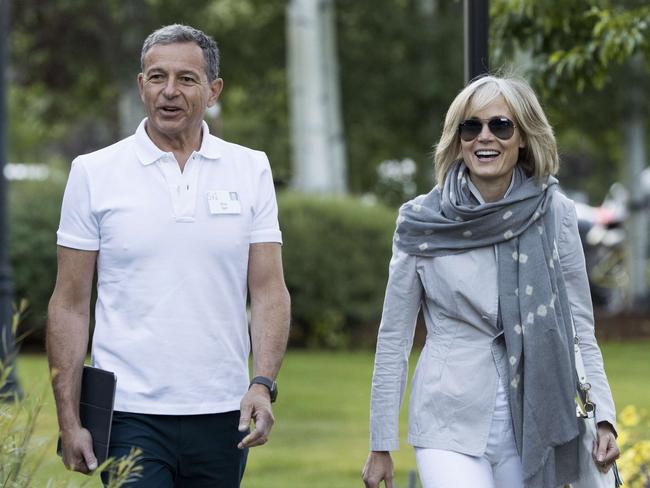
{"type": "Point", "coordinates": [269, 383]}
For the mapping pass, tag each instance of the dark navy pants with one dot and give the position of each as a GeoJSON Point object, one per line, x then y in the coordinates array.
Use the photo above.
{"type": "Point", "coordinates": [181, 451]}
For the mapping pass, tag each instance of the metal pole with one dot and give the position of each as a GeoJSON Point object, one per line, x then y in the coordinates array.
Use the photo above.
{"type": "Point", "coordinates": [476, 27]}
{"type": "Point", "coordinates": [315, 114]}
{"type": "Point", "coordinates": [335, 134]}
{"type": "Point", "coordinates": [308, 98]}
{"type": "Point", "coordinates": [10, 388]}
{"type": "Point", "coordinates": [639, 220]}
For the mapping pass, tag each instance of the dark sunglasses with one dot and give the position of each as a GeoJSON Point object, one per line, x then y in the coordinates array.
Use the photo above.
{"type": "Point", "coordinates": [501, 127]}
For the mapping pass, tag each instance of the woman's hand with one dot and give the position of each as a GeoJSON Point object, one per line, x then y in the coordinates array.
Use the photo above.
{"type": "Point", "coordinates": [379, 466]}
{"type": "Point", "coordinates": [605, 450]}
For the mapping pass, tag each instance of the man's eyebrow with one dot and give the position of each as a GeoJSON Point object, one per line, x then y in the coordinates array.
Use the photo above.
{"type": "Point", "coordinates": [183, 72]}
{"type": "Point", "coordinates": [154, 69]}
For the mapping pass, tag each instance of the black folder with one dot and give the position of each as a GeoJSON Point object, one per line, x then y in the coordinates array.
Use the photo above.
{"type": "Point", "coordinates": [96, 408]}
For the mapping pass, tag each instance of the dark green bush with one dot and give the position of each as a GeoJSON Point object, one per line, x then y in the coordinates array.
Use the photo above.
{"type": "Point", "coordinates": [34, 208]}
{"type": "Point", "coordinates": [336, 253]}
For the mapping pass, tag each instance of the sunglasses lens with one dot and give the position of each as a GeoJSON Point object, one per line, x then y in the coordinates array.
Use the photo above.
{"type": "Point", "coordinates": [470, 129]}
{"type": "Point", "coordinates": [502, 128]}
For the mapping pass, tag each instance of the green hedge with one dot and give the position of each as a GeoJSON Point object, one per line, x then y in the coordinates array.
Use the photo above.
{"type": "Point", "coordinates": [336, 253]}
{"type": "Point", "coordinates": [34, 208]}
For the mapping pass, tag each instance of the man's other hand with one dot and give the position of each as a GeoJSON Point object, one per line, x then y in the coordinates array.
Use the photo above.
{"type": "Point", "coordinates": [256, 406]}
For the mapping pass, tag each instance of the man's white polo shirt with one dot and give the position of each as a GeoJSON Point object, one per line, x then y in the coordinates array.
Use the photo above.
{"type": "Point", "coordinates": [170, 318]}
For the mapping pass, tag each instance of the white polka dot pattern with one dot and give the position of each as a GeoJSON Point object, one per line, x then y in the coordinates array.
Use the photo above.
{"type": "Point", "coordinates": [515, 382]}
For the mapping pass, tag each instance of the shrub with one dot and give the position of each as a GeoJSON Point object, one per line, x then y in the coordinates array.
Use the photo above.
{"type": "Point", "coordinates": [336, 253]}
{"type": "Point", "coordinates": [34, 208]}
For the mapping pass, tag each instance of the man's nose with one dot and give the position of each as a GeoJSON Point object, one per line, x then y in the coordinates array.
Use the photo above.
{"type": "Point", "coordinates": [171, 88]}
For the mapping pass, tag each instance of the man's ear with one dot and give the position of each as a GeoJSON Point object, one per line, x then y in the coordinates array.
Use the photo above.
{"type": "Point", "coordinates": [216, 87]}
{"type": "Point", "coordinates": [141, 86]}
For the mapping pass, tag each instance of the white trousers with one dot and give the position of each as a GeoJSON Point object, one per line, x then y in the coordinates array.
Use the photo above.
{"type": "Point", "coordinates": [498, 467]}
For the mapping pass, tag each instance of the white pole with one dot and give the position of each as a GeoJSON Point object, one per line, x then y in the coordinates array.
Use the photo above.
{"type": "Point", "coordinates": [316, 129]}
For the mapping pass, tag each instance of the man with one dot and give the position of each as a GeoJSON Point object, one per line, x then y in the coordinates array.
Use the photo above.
{"type": "Point", "coordinates": [179, 225]}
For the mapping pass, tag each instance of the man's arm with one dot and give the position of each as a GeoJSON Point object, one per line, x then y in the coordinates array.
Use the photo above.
{"type": "Point", "coordinates": [270, 312]}
{"type": "Point", "coordinates": [67, 343]}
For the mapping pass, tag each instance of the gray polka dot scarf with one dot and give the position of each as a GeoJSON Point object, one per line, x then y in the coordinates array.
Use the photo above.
{"type": "Point", "coordinates": [533, 306]}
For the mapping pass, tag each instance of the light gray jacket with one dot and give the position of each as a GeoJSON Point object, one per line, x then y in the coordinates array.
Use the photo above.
{"type": "Point", "coordinates": [455, 382]}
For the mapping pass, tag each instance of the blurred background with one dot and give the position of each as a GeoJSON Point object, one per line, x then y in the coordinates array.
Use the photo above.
{"type": "Point", "coordinates": [347, 97]}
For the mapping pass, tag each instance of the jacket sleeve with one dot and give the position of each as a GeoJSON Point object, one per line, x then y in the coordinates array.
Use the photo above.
{"type": "Point", "coordinates": [575, 275]}
{"type": "Point", "coordinates": [394, 341]}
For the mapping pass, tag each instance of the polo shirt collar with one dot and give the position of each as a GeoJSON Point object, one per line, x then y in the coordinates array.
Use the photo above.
{"type": "Point", "coordinates": [149, 153]}
{"type": "Point", "coordinates": [209, 145]}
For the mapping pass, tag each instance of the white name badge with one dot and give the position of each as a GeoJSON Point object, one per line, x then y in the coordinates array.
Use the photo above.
{"type": "Point", "coordinates": [224, 202]}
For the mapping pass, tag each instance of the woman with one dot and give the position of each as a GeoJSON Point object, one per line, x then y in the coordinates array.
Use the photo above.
{"type": "Point", "coordinates": [493, 258]}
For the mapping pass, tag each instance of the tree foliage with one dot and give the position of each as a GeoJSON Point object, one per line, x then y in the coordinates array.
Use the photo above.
{"type": "Point", "coordinates": [396, 81]}
{"type": "Point", "coordinates": [400, 68]}
{"type": "Point", "coordinates": [573, 43]}
{"type": "Point", "coordinates": [71, 76]}
{"type": "Point", "coordinates": [586, 59]}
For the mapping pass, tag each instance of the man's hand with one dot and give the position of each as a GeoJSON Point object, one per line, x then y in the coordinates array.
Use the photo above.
{"type": "Point", "coordinates": [379, 466]}
{"type": "Point", "coordinates": [78, 452]}
{"type": "Point", "coordinates": [256, 405]}
{"type": "Point", "coordinates": [606, 450]}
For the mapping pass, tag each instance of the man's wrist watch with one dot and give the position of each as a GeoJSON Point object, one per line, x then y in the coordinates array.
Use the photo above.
{"type": "Point", "coordinates": [269, 383]}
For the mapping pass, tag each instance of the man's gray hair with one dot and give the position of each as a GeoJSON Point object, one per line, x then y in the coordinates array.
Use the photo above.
{"type": "Point", "coordinates": [171, 34]}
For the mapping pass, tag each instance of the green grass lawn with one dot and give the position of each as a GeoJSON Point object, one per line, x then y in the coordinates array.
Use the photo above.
{"type": "Point", "coordinates": [320, 438]}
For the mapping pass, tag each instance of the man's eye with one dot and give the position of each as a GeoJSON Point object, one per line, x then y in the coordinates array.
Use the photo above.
{"type": "Point", "coordinates": [187, 79]}
{"type": "Point", "coordinates": [156, 77]}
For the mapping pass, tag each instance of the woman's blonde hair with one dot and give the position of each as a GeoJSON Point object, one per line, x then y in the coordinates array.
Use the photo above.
{"type": "Point", "coordinates": [539, 158]}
